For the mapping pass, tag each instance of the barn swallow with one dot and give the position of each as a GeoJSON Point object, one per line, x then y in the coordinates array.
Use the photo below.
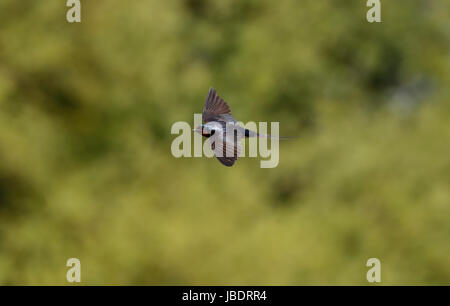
{"type": "Point", "coordinates": [222, 130]}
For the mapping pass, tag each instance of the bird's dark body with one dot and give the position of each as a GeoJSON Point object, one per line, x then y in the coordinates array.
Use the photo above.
{"type": "Point", "coordinates": [218, 120]}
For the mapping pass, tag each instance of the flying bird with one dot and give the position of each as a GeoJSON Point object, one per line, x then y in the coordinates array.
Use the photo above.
{"type": "Point", "coordinates": [222, 130]}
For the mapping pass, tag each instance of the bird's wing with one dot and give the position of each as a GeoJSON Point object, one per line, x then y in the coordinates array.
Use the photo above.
{"type": "Point", "coordinates": [226, 148]}
{"type": "Point", "coordinates": [216, 109]}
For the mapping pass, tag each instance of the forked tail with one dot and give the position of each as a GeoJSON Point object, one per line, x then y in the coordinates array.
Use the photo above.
{"type": "Point", "coordinates": [249, 133]}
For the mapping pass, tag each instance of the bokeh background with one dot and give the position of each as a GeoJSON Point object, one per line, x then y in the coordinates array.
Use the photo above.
{"type": "Point", "coordinates": [86, 169]}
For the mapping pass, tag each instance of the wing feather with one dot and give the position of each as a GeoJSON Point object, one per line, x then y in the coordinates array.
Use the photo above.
{"type": "Point", "coordinates": [216, 109]}
{"type": "Point", "coordinates": [226, 148]}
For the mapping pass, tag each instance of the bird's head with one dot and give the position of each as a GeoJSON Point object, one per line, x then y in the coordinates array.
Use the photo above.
{"type": "Point", "coordinates": [203, 130]}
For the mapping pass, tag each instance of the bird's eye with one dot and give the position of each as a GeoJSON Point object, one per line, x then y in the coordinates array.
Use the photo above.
{"type": "Point", "coordinates": [212, 132]}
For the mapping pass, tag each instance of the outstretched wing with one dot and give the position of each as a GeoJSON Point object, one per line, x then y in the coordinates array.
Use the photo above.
{"type": "Point", "coordinates": [216, 109]}
{"type": "Point", "coordinates": [226, 148]}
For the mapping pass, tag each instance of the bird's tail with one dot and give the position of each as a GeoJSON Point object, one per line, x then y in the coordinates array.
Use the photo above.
{"type": "Point", "coordinates": [249, 133]}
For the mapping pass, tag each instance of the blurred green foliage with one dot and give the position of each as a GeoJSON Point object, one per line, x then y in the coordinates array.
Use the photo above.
{"type": "Point", "coordinates": [86, 169]}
